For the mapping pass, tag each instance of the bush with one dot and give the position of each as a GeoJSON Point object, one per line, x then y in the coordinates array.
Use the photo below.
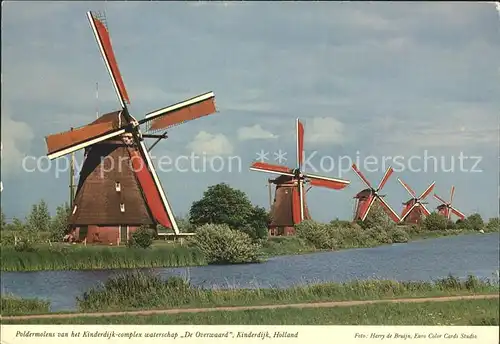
{"type": "Point", "coordinates": [318, 234]}
{"type": "Point", "coordinates": [398, 235]}
{"type": "Point", "coordinates": [376, 217]}
{"type": "Point", "coordinates": [220, 244]}
{"type": "Point", "coordinates": [493, 225]}
{"type": "Point", "coordinates": [435, 222]}
{"type": "Point", "coordinates": [143, 237]}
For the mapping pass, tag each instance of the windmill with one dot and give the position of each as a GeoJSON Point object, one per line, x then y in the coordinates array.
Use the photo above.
{"type": "Point", "coordinates": [367, 197]}
{"type": "Point", "coordinates": [414, 208]}
{"type": "Point", "coordinates": [289, 207]}
{"type": "Point", "coordinates": [118, 188]}
{"type": "Point", "coordinates": [445, 208]}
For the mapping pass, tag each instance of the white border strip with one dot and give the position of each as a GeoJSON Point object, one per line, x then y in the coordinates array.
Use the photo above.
{"type": "Point", "coordinates": [375, 196]}
{"type": "Point", "coordinates": [389, 170]}
{"type": "Point", "coordinates": [273, 172]}
{"type": "Point", "coordinates": [84, 144]}
{"type": "Point", "coordinates": [177, 106]}
{"type": "Point", "coordinates": [313, 176]}
{"type": "Point", "coordinates": [389, 207]}
{"type": "Point", "coordinates": [159, 187]}
{"type": "Point", "coordinates": [429, 190]}
{"type": "Point", "coordinates": [108, 66]}
{"type": "Point", "coordinates": [301, 195]}
{"type": "Point", "coordinates": [406, 188]}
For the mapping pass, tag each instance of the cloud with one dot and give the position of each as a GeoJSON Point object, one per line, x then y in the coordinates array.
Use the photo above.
{"type": "Point", "coordinates": [324, 130]}
{"type": "Point", "coordinates": [255, 133]}
{"type": "Point", "coordinates": [210, 144]}
{"type": "Point", "coordinates": [16, 139]}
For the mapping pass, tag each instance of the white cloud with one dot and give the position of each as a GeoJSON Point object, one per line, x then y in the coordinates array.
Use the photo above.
{"type": "Point", "coordinates": [323, 130]}
{"type": "Point", "coordinates": [16, 139]}
{"type": "Point", "coordinates": [210, 144]}
{"type": "Point", "coordinates": [255, 132]}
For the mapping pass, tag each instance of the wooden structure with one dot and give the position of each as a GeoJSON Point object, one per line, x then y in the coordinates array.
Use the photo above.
{"type": "Point", "coordinates": [118, 188]}
{"type": "Point", "coordinates": [414, 209]}
{"type": "Point", "coordinates": [289, 207]}
{"type": "Point", "coordinates": [365, 199]}
{"type": "Point", "coordinates": [446, 208]}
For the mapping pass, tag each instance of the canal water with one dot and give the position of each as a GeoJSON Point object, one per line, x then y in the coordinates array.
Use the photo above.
{"type": "Point", "coordinates": [419, 260]}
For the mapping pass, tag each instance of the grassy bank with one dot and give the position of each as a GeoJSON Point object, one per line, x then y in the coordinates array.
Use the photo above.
{"type": "Point", "coordinates": [460, 313]}
{"type": "Point", "coordinates": [11, 305]}
{"type": "Point", "coordinates": [78, 257]}
{"type": "Point", "coordinates": [278, 246]}
{"type": "Point", "coordinates": [138, 290]}
{"type": "Point", "coordinates": [167, 254]}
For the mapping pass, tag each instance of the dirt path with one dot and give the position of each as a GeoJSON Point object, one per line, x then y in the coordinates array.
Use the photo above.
{"type": "Point", "coordinates": [244, 308]}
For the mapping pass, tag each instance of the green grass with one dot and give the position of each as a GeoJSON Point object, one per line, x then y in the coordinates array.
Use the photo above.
{"type": "Point", "coordinates": [137, 290]}
{"type": "Point", "coordinates": [78, 257]}
{"type": "Point", "coordinates": [460, 313]}
{"type": "Point", "coordinates": [12, 305]}
{"type": "Point", "coordinates": [292, 245]}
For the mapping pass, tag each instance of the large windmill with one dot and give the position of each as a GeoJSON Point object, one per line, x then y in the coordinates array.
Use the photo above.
{"type": "Point", "coordinates": [118, 188]}
{"type": "Point", "coordinates": [367, 197]}
{"type": "Point", "coordinates": [289, 207]}
{"type": "Point", "coordinates": [415, 209]}
{"type": "Point", "coordinates": [446, 209]}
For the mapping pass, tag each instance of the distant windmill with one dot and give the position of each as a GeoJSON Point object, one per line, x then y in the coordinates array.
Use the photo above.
{"type": "Point", "coordinates": [415, 209]}
{"type": "Point", "coordinates": [289, 207]}
{"type": "Point", "coordinates": [445, 208]}
{"type": "Point", "coordinates": [367, 197]}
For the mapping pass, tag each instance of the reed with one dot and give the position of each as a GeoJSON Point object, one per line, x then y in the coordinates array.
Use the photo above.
{"type": "Point", "coordinates": [140, 290]}
{"type": "Point", "coordinates": [79, 257]}
{"type": "Point", "coordinates": [12, 305]}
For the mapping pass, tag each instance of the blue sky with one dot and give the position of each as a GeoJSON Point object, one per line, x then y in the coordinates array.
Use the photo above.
{"type": "Point", "coordinates": [381, 79]}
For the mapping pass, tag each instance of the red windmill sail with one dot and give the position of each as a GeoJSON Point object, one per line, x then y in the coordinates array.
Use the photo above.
{"type": "Point", "coordinates": [367, 197]}
{"type": "Point", "coordinates": [415, 209]}
{"type": "Point", "coordinates": [446, 208]}
{"type": "Point", "coordinates": [289, 206]}
{"type": "Point", "coordinates": [129, 194]}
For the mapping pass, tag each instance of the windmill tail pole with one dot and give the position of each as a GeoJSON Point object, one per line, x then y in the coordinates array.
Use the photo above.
{"type": "Point", "coordinates": [270, 194]}
{"type": "Point", "coordinates": [71, 179]}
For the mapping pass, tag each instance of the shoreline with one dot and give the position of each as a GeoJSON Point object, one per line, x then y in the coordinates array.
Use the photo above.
{"type": "Point", "coordinates": [186, 257]}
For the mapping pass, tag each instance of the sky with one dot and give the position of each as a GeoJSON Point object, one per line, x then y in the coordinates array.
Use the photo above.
{"type": "Point", "coordinates": [368, 80]}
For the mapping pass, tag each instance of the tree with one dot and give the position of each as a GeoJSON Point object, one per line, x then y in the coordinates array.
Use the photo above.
{"type": "Point", "coordinates": [475, 222]}
{"type": "Point", "coordinates": [435, 222]}
{"type": "Point", "coordinates": [222, 204]}
{"type": "Point", "coordinates": [256, 226]}
{"type": "Point", "coordinates": [39, 218]}
{"type": "Point", "coordinates": [60, 222]}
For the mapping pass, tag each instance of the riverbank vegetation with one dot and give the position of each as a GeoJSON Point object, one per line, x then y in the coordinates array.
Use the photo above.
{"type": "Point", "coordinates": [136, 290]}
{"type": "Point", "coordinates": [229, 228]}
{"type": "Point", "coordinates": [147, 291]}
{"type": "Point", "coordinates": [11, 305]}
{"type": "Point", "coordinates": [449, 313]}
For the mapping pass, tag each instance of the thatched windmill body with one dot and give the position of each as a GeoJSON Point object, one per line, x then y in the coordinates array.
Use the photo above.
{"type": "Point", "coordinates": [446, 208]}
{"type": "Point", "coordinates": [119, 189]}
{"type": "Point", "coordinates": [289, 207]}
{"type": "Point", "coordinates": [367, 197]}
{"type": "Point", "coordinates": [414, 209]}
